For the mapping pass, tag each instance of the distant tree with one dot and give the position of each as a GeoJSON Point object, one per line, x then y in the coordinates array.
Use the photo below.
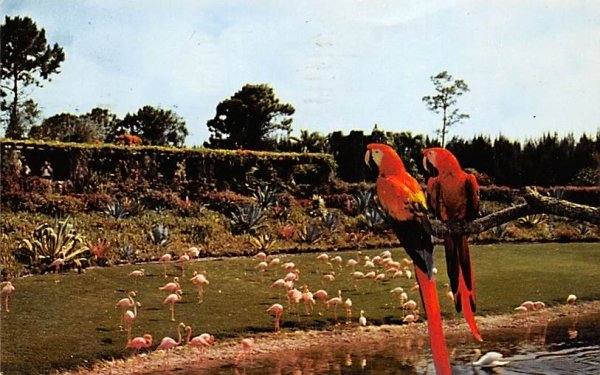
{"type": "Point", "coordinates": [29, 114]}
{"type": "Point", "coordinates": [155, 126]}
{"type": "Point", "coordinates": [26, 59]}
{"type": "Point", "coordinates": [410, 148]}
{"type": "Point", "coordinates": [309, 142]}
{"type": "Point", "coordinates": [101, 121]}
{"type": "Point", "coordinates": [61, 127]}
{"type": "Point", "coordinates": [249, 119]}
{"type": "Point", "coordinates": [66, 127]}
{"type": "Point", "coordinates": [448, 90]}
{"type": "Point", "coordinates": [507, 162]}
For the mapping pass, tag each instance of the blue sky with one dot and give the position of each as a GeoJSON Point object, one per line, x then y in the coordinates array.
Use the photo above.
{"type": "Point", "coordinates": [532, 66]}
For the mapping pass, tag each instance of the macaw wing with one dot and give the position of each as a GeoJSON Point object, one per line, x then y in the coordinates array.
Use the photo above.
{"type": "Point", "coordinates": [472, 193]}
{"type": "Point", "coordinates": [434, 195]}
{"type": "Point", "coordinates": [401, 201]}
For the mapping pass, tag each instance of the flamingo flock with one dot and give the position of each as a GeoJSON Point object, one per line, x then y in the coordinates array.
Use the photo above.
{"type": "Point", "coordinates": [287, 278]}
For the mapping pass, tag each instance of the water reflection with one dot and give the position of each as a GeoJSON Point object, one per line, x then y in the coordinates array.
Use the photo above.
{"type": "Point", "coordinates": [570, 345]}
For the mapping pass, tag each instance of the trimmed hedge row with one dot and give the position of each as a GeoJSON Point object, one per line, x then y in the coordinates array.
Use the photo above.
{"type": "Point", "coordinates": [86, 166]}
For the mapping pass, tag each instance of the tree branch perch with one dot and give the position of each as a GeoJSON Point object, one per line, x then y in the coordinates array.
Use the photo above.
{"type": "Point", "coordinates": [535, 203]}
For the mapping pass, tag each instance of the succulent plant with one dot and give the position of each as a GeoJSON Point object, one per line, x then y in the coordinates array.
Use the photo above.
{"type": "Point", "coordinates": [247, 219]}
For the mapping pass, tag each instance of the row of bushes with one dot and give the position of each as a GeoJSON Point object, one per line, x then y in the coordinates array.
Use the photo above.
{"type": "Point", "coordinates": [44, 197]}
{"type": "Point", "coordinates": [87, 167]}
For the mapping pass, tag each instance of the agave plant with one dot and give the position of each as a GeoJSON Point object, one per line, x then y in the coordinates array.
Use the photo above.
{"type": "Point", "coordinates": [247, 219]}
{"type": "Point", "coordinates": [127, 252]}
{"type": "Point", "coordinates": [281, 212]}
{"type": "Point", "coordinates": [159, 235]}
{"type": "Point", "coordinates": [500, 231]}
{"type": "Point", "coordinates": [373, 217]}
{"type": "Point", "coordinates": [330, 220]}
{"type": "Point", "coordinates": [49, 243]}
{"type": "Point", "coordinates": [362, 200]}
{"type": "Point", "coordinates": [531, 221]}
{"type": "Point", "coordinates": [117, 209]}
{"type": "Point", "coordinates": [309, 234]}
{"type": "Point", "coordinates": [266, 195]}
{"type": "Point", "coordinates": [262, 241]}
{"type": "Point", "coordinates": [121, 208]}
{"type": "Point", "coordinates": [318, 207]}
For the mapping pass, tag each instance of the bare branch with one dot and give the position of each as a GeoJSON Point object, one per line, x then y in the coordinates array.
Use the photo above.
{"type": "Point", "coordinates": [535, 204]}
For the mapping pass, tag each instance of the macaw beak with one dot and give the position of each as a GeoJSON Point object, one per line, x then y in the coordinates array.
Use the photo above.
{"type": "Point", "coordinates": [429, 167]}
{"type": "Point", "coordinates": [368, 158]}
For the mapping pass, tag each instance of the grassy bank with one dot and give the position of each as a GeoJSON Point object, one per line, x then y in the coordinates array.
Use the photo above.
{"type": "Point", "coordinates": [65, 321]}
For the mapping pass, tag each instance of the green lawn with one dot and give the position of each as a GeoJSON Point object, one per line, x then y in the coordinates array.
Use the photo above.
{"type": "Point", "coordinates": [57, 325]}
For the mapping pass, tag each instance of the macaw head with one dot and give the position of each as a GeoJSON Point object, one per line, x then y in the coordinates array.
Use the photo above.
{"type": "Point", "coordinates": [438, 160]}
{"type": "Point", "coordinates": [384, 158]}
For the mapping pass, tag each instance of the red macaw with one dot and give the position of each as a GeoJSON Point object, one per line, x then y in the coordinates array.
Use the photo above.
{"type": "Point", "coordinates": [404, 201]}
{"type": "Point", "coordinates": [454, 196]}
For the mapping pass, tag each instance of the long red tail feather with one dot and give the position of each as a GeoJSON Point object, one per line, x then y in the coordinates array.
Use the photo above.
{"type": "Point", "coordinates": [431, 303]}
{"type": "Point", "coordinates": [460, 271]}
{"type": "Point", "coordinates": [465, 298]}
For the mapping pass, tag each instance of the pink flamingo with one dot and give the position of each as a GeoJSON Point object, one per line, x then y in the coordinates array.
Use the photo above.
{"type": "Point", "coordinates": [165, 259]}
{"type": "Point", "coordinates": [171, 287]}
{"type": "Point", "coordinates": [202, 341]}
{"type": "Point", "coordinates": [322, 296]}
{"type": "Point", "coordinates": [137, 274]}
{"type": "Point", "coordinates": [129, 318]}
{"type": "Point", "coordinates": [294, 297]}
{"type": "Point", "coordinates": [357, 275]}
{"type": "Point", "coordinates": [335, 301]}
{"type": "Point", "coordinates": [139, 343]}
{"type": "Point", "coordinates": [245, 349]}
{"type": "Point", "coordinates": [348, 306]}
{"type": "Point", "coordinates": [125, 303]}
{"type": "Point", "coordinates": [199, 280]}
{"type": "Point", "coordinates": [308, 299]}
{"type": "Point", "coordinates": [182, 260]}
{"type": "Point", "coordinates": [167, 344]}
{"type": "Point", "coordinates": [328, 278]}
{"type": "Point", "coordinates": [262, 256]}
{"type": "Point", "coordinates": [352, 263]}
{"type": "Point", "coordinates": [338, 261]}
{"type": "Point", "coordinates": [411, 318]}
{"type": "Point", "coordinates": [275, 262]}
{"type": "Point", "coordinates": [279, 284]}
{"type": "Point", "coordinates": [171, 300]}
{"type": "Point", "coordinates": [276, 309]}
{"type": "Point", "coordinates": [7, 290]}
{"type": "Point", "coordinates": [193, 252]}
{"type": "Point", "coordinates": [58, 263]}
{"type": "Point", "coordinates": [262, 268]}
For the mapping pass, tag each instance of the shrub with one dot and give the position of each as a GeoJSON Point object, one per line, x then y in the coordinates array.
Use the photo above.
{"type": "Point", "coordinates": [262, 241]}
{"type": "Point", "coordinates": [309, 234]}
{"type": "Point", "coordinates": [100, 249]}
{"type": "Point", "coordinates": [49, 243]}
{"type": "Point", "coordinates": [362, 200]}
{"type": "Point", "coordinates": [266, 195]}
{"type": "Point", "coordinates": [159, 235]}
{"type": "Point", "coordinates": [247, 219]}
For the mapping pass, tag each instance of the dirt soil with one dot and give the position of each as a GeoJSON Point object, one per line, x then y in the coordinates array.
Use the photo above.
{"type": "Point", "coordinates": [224, 353]}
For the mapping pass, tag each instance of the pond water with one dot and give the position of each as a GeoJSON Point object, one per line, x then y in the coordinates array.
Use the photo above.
{"type": "Point", "coordinates": [567, 345]}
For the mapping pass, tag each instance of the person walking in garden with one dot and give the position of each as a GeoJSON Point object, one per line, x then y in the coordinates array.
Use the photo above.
{"type": "Point", "coordinates": [46, 171]}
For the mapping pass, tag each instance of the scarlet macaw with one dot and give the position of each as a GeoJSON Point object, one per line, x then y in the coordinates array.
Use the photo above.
{"type": "Point", "coordinates": [454, 196]}
{"type": "Point", "coordinates": [404, 201]}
